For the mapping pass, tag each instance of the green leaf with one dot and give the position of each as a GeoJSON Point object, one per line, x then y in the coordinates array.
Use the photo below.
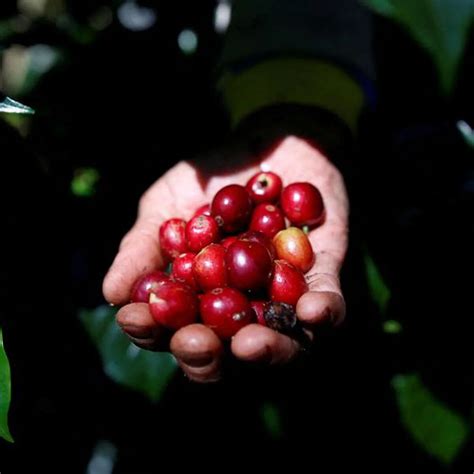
{"type": "Point", "coordinates": [272, 420]}
{"type": "Point", "coordinates": [11, 106]}
{"type": "Point", "coordinates": [138, 369]}
{"type": "Point", "coordinates": [85, 182]}
{"type": "Point", "coordinates": [6, 30]}
{"type": "Point", "coordinates": [441, 27]}
{"type": "Point", "coordinates": [392, 327]}
{"type": "Point", "coordinates": [377, 287]}
{"type": "Point", "coordinates": [5, 392]}
{"type": "Point", "coordinates": [41, 58]}
{"type": "Point", "coordinates": [435, 427]}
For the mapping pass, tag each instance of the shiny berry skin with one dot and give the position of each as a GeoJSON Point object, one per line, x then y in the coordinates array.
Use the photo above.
{"type": "Point", "coordinates": [232, 208]}
{"type": "Point", "coordinates": [255, 236]}
{"type": "Point", "coordinates": [173, 238]}
{"type": "Point", "coordinates": [268, 219]}
{"type": "Point", "coordinates": [204, 210]}
{"type": "Point", "coordinates": [145, 285]}
{"type": "Point", "coordinates": [288, 283]}
{"type": "Point", "coordinates": [293, 245]}
{"type": "Point", "coordinates": [303, 204]}
{"type": "Point", "coordinates": [174, 305]}
{"type": "Point", "coordinates": [264, 187]}
{"type": "Point", "coordinates": [225, 311]}
{"type": "Point", "coordinates": [258, 308]}
{"type": "Point", "coordinates": [209, 267]}
{"type": "Point", "coordinates": [182, 269]}
{"type": "Point", "coordinates": [201, 231]}
{"type": "Point", "coordinates": [249, 265]}
{"type": "Point", "coordinates": [228, 241]}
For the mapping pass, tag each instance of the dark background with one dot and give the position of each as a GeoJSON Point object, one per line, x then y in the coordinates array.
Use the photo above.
{"type": "Point", "coordinates": [130, 104]}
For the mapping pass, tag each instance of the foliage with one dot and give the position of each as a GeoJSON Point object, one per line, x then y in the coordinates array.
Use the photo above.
{"type": "Point", "coordinates": [5, 392]}
{"type": "Point", "coordinates": [441, 27]}
{"type": "Point", "coordinates": [11, 106]}
{"type": "Point", "coordinates": [378, 289]}
{"type": "Point", "coordinates": [434, 426]}
{"type": "Point", "coordinates": [144, 371]}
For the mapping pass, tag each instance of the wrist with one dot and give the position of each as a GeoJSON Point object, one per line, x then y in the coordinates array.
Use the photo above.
{"type": "Point", "coordinates": [320, 128]}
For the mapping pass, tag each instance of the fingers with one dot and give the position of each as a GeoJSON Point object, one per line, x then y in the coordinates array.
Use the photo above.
{"type": "Point", "coordinates": [259, 344]}
{"type": "Point", "coordinates": [323, 303]}
{"type": "Point", "coordinates": [255, 343]}
{"type": "Point", "coordinates": [321, 307]}
{"type": "Point", "coordinates": [199, 352]}
{"type": "Point", "coordinates": [139, 253]}
{"type": "Point", "coordinates": [197, 348]}
{"type": "Point", "coordinates": [176, 194]}
{"type": "Point", "coordinates": [136, 321]}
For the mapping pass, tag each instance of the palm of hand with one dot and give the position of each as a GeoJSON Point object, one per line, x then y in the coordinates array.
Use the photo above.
{"type": "Point", "coordinates": [178, 194]}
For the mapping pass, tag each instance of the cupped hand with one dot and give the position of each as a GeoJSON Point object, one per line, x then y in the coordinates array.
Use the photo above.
{"type": "Point", "coordinates": [178, 193]}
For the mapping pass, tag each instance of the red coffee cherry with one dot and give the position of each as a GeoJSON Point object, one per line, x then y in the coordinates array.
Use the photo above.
{"type": "Point", "coordinates": [204, 210]}
{"type": "Point", "coordinates": [303, 204]}
{"type": "Point", "coordinates": [225, 311]}
{"type": "Point", "coordinates": [264, 187]}
{"type": "Point", "coordinates": [145, 285]}
{"type": "Point", "coordinates": [258, 308]}
{"type": "Point", "coordinates": [201, 231]}
{"type": "Point", "coordinates": [255, 236]}
{"type": "Point", "coordinates": [293, 245]}
{"type": "Point", "coordinates": [232, 208]}
{"type": "Point", "coordinates": [174, 305]}
{"type": "Point", "coordinates": [249, 265]}
{"type": "Point", "coordinates": [209, 267]}
{"type": "Point", "coordinates": [228, 241]}
{"type": "Point", "coordinates": [173, 238]}
{"type": "Point", "coordinates": [268, 219]}
{"type": "Point", "coordinates": [287, 284]}
{"type": "Point", "coordinates": [182, 269]}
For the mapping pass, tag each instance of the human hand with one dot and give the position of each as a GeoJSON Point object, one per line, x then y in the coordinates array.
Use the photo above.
{"type": "Point", "coordinates": [178, 193]}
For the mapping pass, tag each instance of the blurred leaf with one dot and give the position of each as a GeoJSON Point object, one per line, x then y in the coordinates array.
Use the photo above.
{"type": "Point", "coordinates": [188, 41]}
{"type": "Point", "coordinates": [5, 392]}
{"type": "Point", "coordinates": [25, 66]}
{"type": "Point", "coordinates": [136, 17]}
{"type": "Point", "coordinates": [441, 27]}
{"type": "Point", "coordinates": [22, 122]}
{"type": "Point", "coordinates": [41, 59]}
{"type": "Point", "coordinates": [271, 419]}
{"type": "Point", "coordinates": [435, 427]}
{"type": "Point", "coordinates": [143, 371]}
{"type": "Point", "coordinates": [392, 327]}
{"type": "Point", "coordinates": [42, 8]}
{"type": "Point", "coordinates": [103, 458]}
{"type": "Point", "coordinates": [81, 34]}
{"type": "Point", "coordinates": [11, 106]}
{"type": "Point", "coordinates": [84, 182]}
{"type": "Point", "coordinates": [6, 30]}
{"type": "Point", "coordinates": [377, 287]}
{"type": "Point", "coordinates": [467, 132]}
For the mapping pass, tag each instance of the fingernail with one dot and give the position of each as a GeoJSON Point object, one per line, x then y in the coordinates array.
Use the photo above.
{"type": "Point", "coordinates": [196, 360]}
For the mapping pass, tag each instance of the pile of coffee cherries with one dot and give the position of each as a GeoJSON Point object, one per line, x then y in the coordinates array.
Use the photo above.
{"type": "Point", "coordinates": [239, 260]}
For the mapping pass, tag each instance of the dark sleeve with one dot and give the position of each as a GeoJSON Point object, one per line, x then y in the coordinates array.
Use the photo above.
{"type": "Point", "coordinates": [297, 51]}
